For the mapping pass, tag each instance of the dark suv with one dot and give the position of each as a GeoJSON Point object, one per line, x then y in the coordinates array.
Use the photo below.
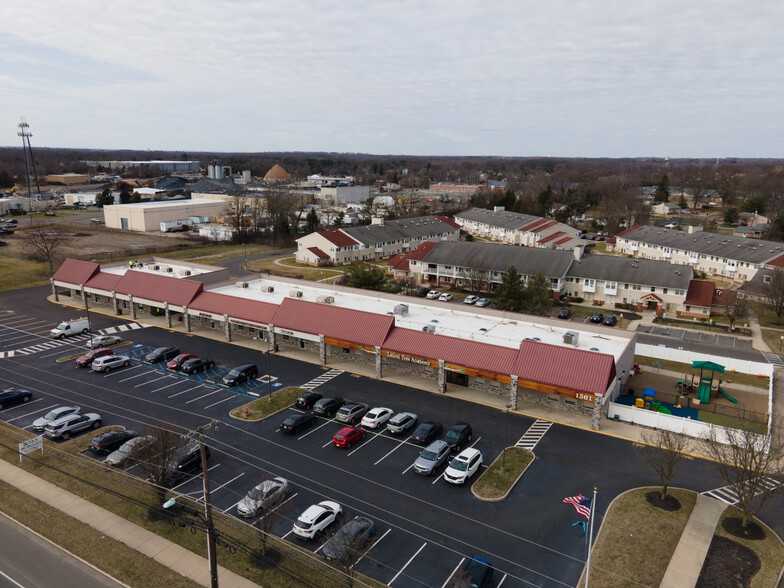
{"type": "Point", "coordinates": [187, 460]}
{"type": "Point", "coordinates": [327, 406]}
{"type": "Point", "coordinates": [240, 374]}
{"type": "Point", "coordinates": [459, 436]}
{"type": "Point", "coordinates": [161, 354]}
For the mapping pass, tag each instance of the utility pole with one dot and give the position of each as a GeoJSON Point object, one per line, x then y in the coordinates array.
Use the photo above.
{"type": "Point", "coordinates": [24, 132]}
{"type": "Point", "coordinates": [87, 310]}
{"type": "Point", "coordinates": [211, 556]}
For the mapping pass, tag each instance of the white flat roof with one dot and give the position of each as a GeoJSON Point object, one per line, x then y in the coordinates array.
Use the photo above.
{"type": "Point", "coordinates": [173, 203]}
{"type": "Point", "coordinates": [119, 270]}
{"type": "Point", "coordinates": [452, 319]}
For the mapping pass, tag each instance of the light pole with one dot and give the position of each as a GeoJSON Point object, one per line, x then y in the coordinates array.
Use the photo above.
{"type": "Point", "coordinates": [87, 310]}
{"type": "Point", "coordinates": [269, 376]}
{"type": "Point", "coordinates": [506, 429]}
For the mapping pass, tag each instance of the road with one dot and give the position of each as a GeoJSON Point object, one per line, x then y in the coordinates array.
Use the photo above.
{"type": "Point", "coordinates": [235, 263]}
{"type": "Point", "coordinates": [27, 560]}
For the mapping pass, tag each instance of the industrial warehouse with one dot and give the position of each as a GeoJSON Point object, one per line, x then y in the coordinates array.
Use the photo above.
{"type": "Point", "coordinates": [533, 359]}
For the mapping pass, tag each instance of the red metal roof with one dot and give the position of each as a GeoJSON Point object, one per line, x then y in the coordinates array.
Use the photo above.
{"type": "Point", "coordinates": [234, 306]}
{"type": "Point", "coordinates": [354, 326]}
{"type": "Point", "coordinates": [777, 261]}
{"type": "Point", "coordinates": [629, 230]}
{"type": "Point", "coordinates": [534, 225]}
{"type": "Point", "coordinates": [400, 262]}
{"type": "Point", "coordinates": [318, 253]}
{"type": "Point", "coordinates": [699, 293]}
{"type": "Point", "coordinates": [548, 224]}
{"type": "Point", "coordinates": [549, 238]}
{"type": "Point", "coordinates": [445, 219]}
{"type": "Point", "coordinates": [565, 367]}
{"type": "Point", "coordinates": [104, 281]}
{"type": "Point", "coordinates": [158, 288]}
{"type": "Point", "coordinates": [564, 240]}
{"type": "Point", "coordinates": [75, 272]}
{"type": "Point", "coordinates": [470, 354]}
{"type": "Point", "coordinates": [338, 238]}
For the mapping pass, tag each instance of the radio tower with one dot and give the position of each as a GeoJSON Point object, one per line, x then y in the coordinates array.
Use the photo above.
{"type": "Point", "coordinates": [29, 161]}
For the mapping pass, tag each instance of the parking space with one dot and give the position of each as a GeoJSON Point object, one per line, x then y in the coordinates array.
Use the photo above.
{"type": "Point", "coordinates": [694, 336]}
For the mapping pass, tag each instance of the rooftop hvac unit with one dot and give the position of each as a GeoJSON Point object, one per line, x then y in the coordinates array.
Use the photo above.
{"type": "Point", "coordinates": [401, 309]}
{"type": "Point", "coordinates": [429, 328]}
{"type": "Point", "coordinates": [241, 284]}
{"type": "Point", "coordinates": [325, 299]}
{"type": "Point", "coordinates": [268, 288]}
{"type": "Point", "coordinates": [296, 293]}
{"type": "Point", "coordinates": [154, 267]}
{"type": "Point", "coordinates": [185, 272]}
{"type": "Point", "coordinates": [570, 338]}
{"type": "Point", "coordinates": [164, 268]}
{"type": "Point", "coordinates": [170, 269]}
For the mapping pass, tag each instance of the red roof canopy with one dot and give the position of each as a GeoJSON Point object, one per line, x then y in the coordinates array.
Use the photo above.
{"type": "Point", "coordinates": [700, 293]}
{"type": "Point", "coordinates": [318, 253]}
{"type": "Point", "coordinates": [534, 225]}
{"type": "Point", "coordinates": [161, 289]}
{"type": "Point", "coordinates": [104, 281]}
{"type": "Point", "coordinates": [338, 238]}
{"type": "Point", "coordinates": [234, 306]}
{"type": "Point", "coordinates": [75, 272]}
{"type": "Point", "coordinates": [549, 238]}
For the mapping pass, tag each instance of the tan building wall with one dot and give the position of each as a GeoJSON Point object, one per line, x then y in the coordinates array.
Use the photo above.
{"type": "Point", "coordinates": [148, 216]}
{"type": "Point", "coordinates": [602, 292]}
{"type": "Point", "coordinates": [67, 179]}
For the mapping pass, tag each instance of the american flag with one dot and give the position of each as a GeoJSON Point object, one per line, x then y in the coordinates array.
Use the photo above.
{"type": "Point", "coordinates": [582, 504]}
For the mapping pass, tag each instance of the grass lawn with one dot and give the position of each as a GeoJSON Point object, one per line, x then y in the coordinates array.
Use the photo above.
{"type": "Point", "coordinates": [495, 482]}
{"type": "Point", "coordinates": [288, 266]}
{"type": "Point", "coordinates": [676, 366]}
{"type": "Point", "coordinates": [16, 273]}
{"type": "Point", "coordinates": [212, 254]}
{"type": "Point", "coordinates": [732, 422]}
{"type": "Point", "coordinates": [637, 540]}
{"type": "Point", "coordinates": [770, 551]}
{"type": "Point", "coordinates": [262, 408]}
{"type": "Point", "coordinates": [767, 318]}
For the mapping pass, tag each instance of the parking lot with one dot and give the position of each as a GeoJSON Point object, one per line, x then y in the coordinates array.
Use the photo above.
{"type": "Point", "coordinates": [426, 527]}
{"type": "Point", "coordinates": [692, 336]}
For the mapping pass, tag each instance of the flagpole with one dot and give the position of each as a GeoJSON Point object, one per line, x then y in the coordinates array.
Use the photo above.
{"type": "Point", "coordinates": [590, 540]}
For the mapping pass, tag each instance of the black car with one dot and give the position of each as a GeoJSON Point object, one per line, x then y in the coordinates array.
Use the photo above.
{"type": "Point", "coordinates": [564, 313]}
{"type": "Point", "coordinates": [327, 406]}
{"type": "Point", "coordinates": [11, 396]}
{"type": "Point", "coordinates": [426, 432]}
{"type": "Point", "coordinates": [295, 423]}
{"type": "Point", "coordinates": [6, 231]}
{"type": "Point", "coordinates": [610, 320]}
{"type": "Point", "coordinates": [459, 436]}
{"type": "Point", "coordinates": [596, 317]}
{"type": "Point", "coordinates": [308, 399]}
{"type": "Point", "coordinates": [196, 365]}
{"type": "Point", "coordinates": [105, 443]}
{"type": "Point", "coordinates": [422, 291]}
{"type": "Point", "coordinates": [162, 354]}
{"type": "Point", "coordinates": [240, 374]}
{"type": "Point", "coordinates": [187, 460]}
{"type": "Point", "coordinates": [3, 243]}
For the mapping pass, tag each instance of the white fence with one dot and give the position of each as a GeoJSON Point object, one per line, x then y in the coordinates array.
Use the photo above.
{"type": "Point", "coordinates": [730, 363]}
{"type": "Point", "coordinates": [658, 420]}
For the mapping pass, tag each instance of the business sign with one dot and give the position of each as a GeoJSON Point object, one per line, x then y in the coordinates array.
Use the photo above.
{"type": "Point", "coordinates": [34, 444]}
{"type": "Point", "coordinates": [548, 389]}
{"type": "Point", "coordinates": [410, 358]}
{"type": "Point", "coordinates": [246, 324]}
{"type": "Point", "coordinates": [451, 367]}
{"type": "Point", "coordinates": [349, 345]}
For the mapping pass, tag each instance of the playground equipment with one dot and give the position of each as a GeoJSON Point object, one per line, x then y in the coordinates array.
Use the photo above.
{"type": "Point", "coordinates": [705, 385]}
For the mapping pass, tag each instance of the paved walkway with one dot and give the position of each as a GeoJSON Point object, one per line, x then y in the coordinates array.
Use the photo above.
{"type": "Point", "coordinates": [162, 550]}
{"type": "Point", "coordinates": [686, 562]}
{"type": "Point", "coordinates": [757, 342]}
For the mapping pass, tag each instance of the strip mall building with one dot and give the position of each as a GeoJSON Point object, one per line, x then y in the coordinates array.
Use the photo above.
{"type": "Point", "coordinates": [573, 366]}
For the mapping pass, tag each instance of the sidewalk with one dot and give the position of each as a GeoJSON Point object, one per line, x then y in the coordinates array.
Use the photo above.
{"type": "Point", "coordinates": [686, 562]}
{"type": "Point", "coordinates": [169, 554]}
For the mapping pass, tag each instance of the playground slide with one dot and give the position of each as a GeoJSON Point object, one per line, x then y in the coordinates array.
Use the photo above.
{"type": "Point", "coordinates": [704, 393]}
{"type": "Point", "coordinates": [727, 396]}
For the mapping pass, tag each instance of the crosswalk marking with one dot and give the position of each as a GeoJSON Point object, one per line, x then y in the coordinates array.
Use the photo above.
{"type": "Point", "coordinates": [534, 434]}
{"type": "Point", "coordinates": [323, 378]}
{"type": "Point", "coordinates": [729, 496]}
{"type": "Point", "coordinates": [772, 358]}
{"type": "Point", "coordinates": [52, 344]}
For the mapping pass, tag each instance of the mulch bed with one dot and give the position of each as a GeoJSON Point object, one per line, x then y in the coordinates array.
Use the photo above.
{"type": "Point", "coordinates": [670, 503]}
{"type": "Point", "coordinates": [728, 565]}
{"type": "Point", "coordinates": [734, 526]}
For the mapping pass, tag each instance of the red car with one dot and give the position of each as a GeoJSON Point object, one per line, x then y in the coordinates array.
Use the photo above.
{"type": "Point", "coordinates": [177, 362]}
{"type": "Point", "coordinates": [347, 436]}
{"type": "Point", "coordinates": [87, 359]}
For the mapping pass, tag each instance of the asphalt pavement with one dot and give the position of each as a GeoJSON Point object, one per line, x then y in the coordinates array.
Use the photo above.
{"type": "Point", "coordinates": [235, 263]}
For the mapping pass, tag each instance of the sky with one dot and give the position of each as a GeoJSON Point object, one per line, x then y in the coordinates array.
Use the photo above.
{"type": "Point", "coordinates": [562, 78]}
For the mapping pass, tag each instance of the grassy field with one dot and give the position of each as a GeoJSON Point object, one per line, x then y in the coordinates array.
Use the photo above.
{"type": "Point", "coordinates": [263, 407]}
{"type": "Point", "coordinates": [676, 366]}
{"type": "Point", "coordinates": [291, 268]}
{"type": "Point", "coordinates": [16, 273]}
{"type": "Point", "coordinates": [213, 254]}
{"type": "Point", "coordinates": [732, 422]}
{"type": "Point", "coordinates": [637, 540]}
{"type": "Point", "coordinates": [495, 481]}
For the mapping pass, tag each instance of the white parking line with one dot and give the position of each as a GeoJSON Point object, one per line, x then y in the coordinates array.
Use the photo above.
{"type": "Point", "coordinates": [399, 445]}
{"type": "Point", "coordinates": [327, 443]}
{"type": "Point", "coordinates": [371, 547]}
{"type": "Point", "coordinates": [144, 373]}
{"type": "Point", "coordinates": [214, 490]}
{"type": "Point", "coordinates": [276, 507]}
{"type": "Point", "coordinates": [219, 401]}
{"type": "Point", "coordinates": [364, 444]}
{"type": "Point", "coordinates": [167, 386]}
{"type": "Point", "coordinates": [286, 535]}
{"type": "Point", "coordinates": [439, 477]}
{"type": "Point", "coordinates": [25, 404]}
{"type": "Point", "coordinates": [314, 430]}
{"type": "Point", "coordinates": [501, 582]}
{"type": "Point", "coordinates": [477, 441]}
{"type": "Point", "coordinates": [151, 381]}
{"type": "Point", "coordinates": [29, 413]}
{"type": "Point", "coordinates": [202, 396]}
{"type": "Point", "coordinates": [408, 468]}
{"type": "Point", "coordinates": [122, 371]}
{"type": "Point", "coordinates": [321, 546]}
{"type": "Point", "coordinates": [184, 391]}
{"type": "Point", "coordinates": [457, 567]}
{"type": "Point", "coordinates": [194, 477]}
{"type": "Point", "coordinates": [408, 562]}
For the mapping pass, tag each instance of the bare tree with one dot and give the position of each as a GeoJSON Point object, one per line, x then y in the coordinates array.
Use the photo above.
{"type": "Point", "coordinates": [735, 309]}
{"type": "Point", "coordinates": [773, 291]}
{"type": "Point", "coordinates": [155, 457]}
{"type": "Point", "coordinates": [236, 214]}
{"type": "Point", "coordinates": [44, 243]}
{"type": "Point", "coordinates": [749, 462]}
{"type": "Point", "coordinates": [282, 204]}
{"type": "Point", "coordinates": [476, 276]}
{"type": "Point", "coordinates": [663, 454]}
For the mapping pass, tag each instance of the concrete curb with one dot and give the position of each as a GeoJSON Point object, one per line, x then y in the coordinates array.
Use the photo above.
{"type": "Point", "coordinates": [512, 485]}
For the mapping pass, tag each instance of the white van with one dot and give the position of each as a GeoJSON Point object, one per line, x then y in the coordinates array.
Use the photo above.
{"type": "Point", "coordinates": [68, 328]}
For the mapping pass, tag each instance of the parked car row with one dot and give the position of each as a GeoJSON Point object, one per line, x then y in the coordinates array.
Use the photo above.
{"type": "Point", "coordinates": [190, 363]}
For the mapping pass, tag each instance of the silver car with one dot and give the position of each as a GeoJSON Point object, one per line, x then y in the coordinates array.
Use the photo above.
{"type": "Point", "coordinates": [54, 414]}
{"type": "Point", "coordinates": [64, 427]}
{"type": "Point", "coordinates": [401, 422]}
{"type": "Point", "coordinates": [110, 362]}
{"type": "Point", "coordinates": [431, 457]}
{"type": "Point", "coordinates": [104, 341]}
{"type": "Point", "coordinates": [266, 494]}
{"type": "Point", "coordinates": [126, 450]}
{"type": "Point", "coordinates": [351, 413]}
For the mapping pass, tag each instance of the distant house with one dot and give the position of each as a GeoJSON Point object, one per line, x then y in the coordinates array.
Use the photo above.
{"type": "Point", "coordinates": [699, 299]}
{"type": "Point", "coordinates": [665, 208]}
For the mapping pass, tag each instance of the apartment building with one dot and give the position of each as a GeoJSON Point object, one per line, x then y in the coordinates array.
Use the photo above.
{"type": "Point", "coordinates": [518, 229]}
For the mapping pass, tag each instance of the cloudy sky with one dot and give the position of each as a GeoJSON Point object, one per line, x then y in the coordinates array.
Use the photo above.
{"type": "Point", "coordinates": [587, 78]}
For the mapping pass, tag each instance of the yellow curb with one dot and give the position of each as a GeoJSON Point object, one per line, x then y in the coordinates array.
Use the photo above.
{"type": "Point", "coordinates": [512, 485]}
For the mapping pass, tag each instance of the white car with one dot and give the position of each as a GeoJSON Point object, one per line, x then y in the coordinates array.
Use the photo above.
{"type": "Point", "coordinates": [462, 467]}
{"type": "Point", "coordinates": [54, 414]}
{"type": "Point", "coordinates": [109, 362]}
{"type": "Point", "coordinates": [104, 341]}
{"type": "Point", "coordinates": [316, 518]}
{"type": "Point", "coordinates": [433, 294]}
{"type": "Point", "coordinates": [376, 417]}
{"type": "Point", "coordinates": [470, 299]}
{"type": "Point", "coordinates": [266, 494]}
{"type": "Point", "coordinates": [445, 297]}
{"type": "Point", "coordinates": [123, 454]}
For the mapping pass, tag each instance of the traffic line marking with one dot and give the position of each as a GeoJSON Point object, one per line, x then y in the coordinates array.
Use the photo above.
{"type": "Point", "coordinates": [408, 562]}
{"type": "Point", "coordinates": [457, 567]}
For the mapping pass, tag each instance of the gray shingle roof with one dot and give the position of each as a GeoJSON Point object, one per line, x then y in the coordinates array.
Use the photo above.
{"type": "Point", "coordinates": [723, 246]}
{"type": "Point", "coordinates": [503, 219]}
{"type": "Point", "coordinates": [393, 230]}
{"type": "Point", "coordinates": [495, 257]}
{"type": "Point", "coordinates": [645, 272]}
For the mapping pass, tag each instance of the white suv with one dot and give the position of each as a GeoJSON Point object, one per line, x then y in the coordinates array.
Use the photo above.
{"type": "Point", "coordinates": [463, 466]}
{"type": "Point", "coordinates": [110, 362]}
{"type": "Point", "coordinates": [316, 518]}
